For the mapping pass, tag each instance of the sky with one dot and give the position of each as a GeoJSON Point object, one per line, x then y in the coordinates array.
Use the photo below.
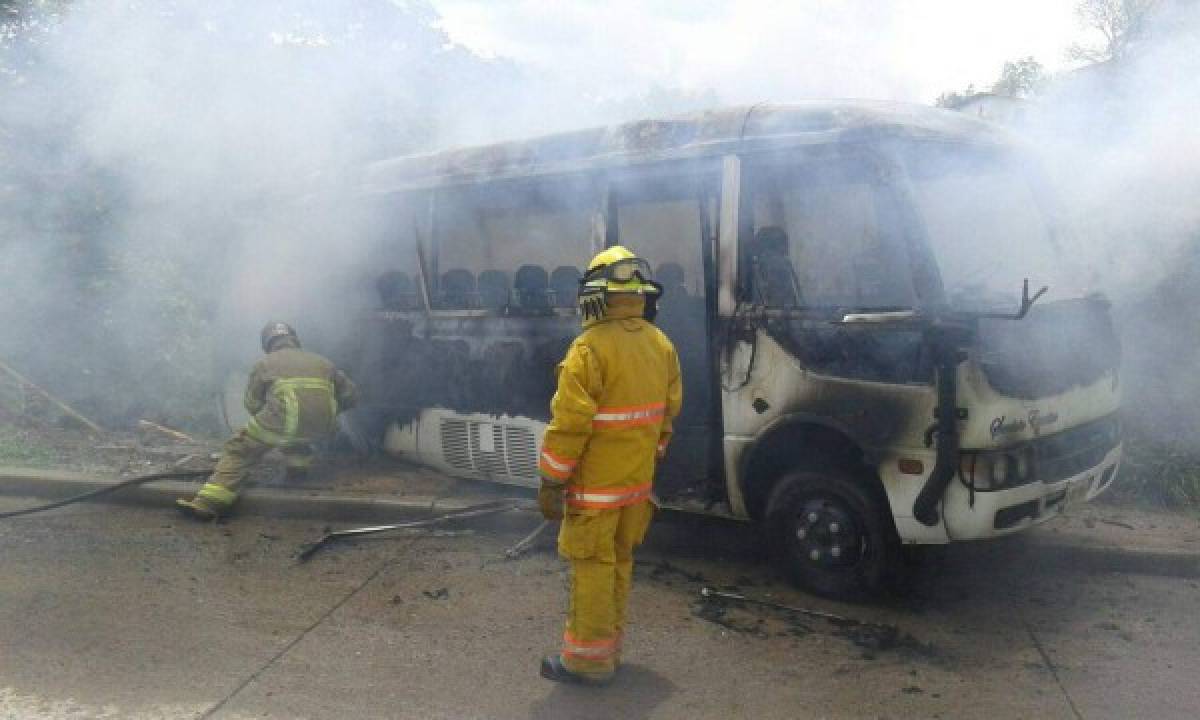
{"type": "Point", "coordinates": [764, 50]}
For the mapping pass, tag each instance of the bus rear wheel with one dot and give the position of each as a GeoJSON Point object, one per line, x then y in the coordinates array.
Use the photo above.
{"type": "Point", "coordinates": [831, 534]}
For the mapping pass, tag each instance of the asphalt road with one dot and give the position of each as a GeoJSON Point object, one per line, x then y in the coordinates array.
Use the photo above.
{"type": "Point", "coordinates": [119, 612]}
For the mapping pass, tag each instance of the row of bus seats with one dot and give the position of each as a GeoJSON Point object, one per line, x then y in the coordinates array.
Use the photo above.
{"type": "Point", "coordinates": [531, 288]}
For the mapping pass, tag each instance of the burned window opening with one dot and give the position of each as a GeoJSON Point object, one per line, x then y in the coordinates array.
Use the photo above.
{"type": "Point", "coordinates": [464, 364]}
{"type": "Point", "coordinates": [663, 216]}
{"type": "Point", "coordinates": [823, 236]}
{"type": "Point", "coordinates": [1056, 347]}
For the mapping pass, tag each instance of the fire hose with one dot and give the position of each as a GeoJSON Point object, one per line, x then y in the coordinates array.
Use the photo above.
{"type": "Point", "coordinates": [106, 490]}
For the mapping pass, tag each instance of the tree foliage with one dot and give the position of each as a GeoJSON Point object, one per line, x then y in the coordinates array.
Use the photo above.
{"type": "Point", "coordinates": [1120, 24]}
{"type": "Point", "coordinates": [953, 100]}
{"type": "Point", "coordinates": [1021, 78]}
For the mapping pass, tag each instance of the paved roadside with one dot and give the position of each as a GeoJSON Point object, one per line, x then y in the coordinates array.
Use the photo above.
{"type": "Point", "coordinates": [1122, 538]}
{"type": "Point", "coordinates": [129, 612]}
{"type": "Point", "coordinates": [1097, 536]}
{"type": "Point", "coordinates": [363, 498]}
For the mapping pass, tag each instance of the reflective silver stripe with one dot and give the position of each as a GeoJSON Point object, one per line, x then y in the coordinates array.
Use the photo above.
{"type": "Point", "coordinates": [592, 497]}
{"type": "Point", "coordinates": [559, 466]}
{"type": "Point", "coordinates": [643, 414]}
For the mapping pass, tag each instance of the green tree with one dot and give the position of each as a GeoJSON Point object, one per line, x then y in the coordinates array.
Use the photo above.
{"type": "Point", "coordinates": [1021, 78]}
{"type": "Point", "coordinates": [953, 100]}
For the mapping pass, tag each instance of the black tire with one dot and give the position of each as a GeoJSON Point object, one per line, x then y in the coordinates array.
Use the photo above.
{"type": "Point", "coordinates": [832, 534]}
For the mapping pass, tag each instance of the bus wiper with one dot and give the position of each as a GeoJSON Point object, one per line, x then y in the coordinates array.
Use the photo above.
{"type": "Point", "coordinates": [881, 316]}
{"type": "Point", "coordinates": [1026, 303]}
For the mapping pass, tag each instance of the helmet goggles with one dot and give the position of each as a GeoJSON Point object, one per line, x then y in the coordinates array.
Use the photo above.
{"type": "Point", "coordinates": [625, 275]}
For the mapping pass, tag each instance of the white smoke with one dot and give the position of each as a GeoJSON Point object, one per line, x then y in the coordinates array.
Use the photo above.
{"type": "Point", "coordinates": [174, 173]}
{"type": "Point", "coordinates": [1120, 139]}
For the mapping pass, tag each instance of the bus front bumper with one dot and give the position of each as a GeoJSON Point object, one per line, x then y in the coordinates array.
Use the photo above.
{"type": "Point", "coordinates": [983, 514]}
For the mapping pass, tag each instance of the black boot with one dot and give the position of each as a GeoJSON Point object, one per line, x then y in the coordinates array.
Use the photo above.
{"type": "Point", "coordinates": [553, 669]}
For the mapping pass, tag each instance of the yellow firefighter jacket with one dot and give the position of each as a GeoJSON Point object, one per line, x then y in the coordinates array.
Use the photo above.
{"type": "Point", "coordinates": [293, 397]}
{"type": "Point", "coordinates": [618, 393]}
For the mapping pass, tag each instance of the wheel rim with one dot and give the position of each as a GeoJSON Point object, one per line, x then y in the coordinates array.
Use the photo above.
{"type": "Point", "coordinates": [827, 534]}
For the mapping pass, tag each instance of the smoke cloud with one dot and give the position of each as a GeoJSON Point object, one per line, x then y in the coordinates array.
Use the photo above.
{"type": "Point", "coordinates": [1119, 140]}
{"type": "Point", "coordinates": [172, 174]}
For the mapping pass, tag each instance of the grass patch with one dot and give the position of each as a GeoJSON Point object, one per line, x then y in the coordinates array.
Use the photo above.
{"type": "Point", "coordinates": [20, 447]}
{"type": "Point", "coordinates": [1160, 471]}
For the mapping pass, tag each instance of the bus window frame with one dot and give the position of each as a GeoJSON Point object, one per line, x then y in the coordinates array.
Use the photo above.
{"type": "Point", "coordinates": [888, 186]}
{"type": "Point", "coordinates": [599, 185]}
{"type": "Point", "coordinates": [710, 184]}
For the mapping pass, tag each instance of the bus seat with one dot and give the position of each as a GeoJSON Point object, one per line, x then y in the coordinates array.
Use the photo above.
{"type": "Point", "coordinates": [396, 291]}
{"type": "Point", "coordinates": [672, 277]}
{"type": "Point", "coordinates": [564, 283]}
{"type": "Point", "coordinates": [532, 284]}
{"type": "Point", "coordinates": [774, 278]}
{"type": "Point", "coordinates": [457, 290]}
{"type": "Point", "coordinates": [493, 289]}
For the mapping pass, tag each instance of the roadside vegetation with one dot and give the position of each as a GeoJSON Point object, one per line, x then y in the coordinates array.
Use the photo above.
{"type": "Point", "coordinates": [1162, 473]}
{"type": "Point", "coordinates": [24, 448]}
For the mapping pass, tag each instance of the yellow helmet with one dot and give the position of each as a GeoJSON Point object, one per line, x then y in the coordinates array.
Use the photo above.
{"type": "Point", "coordinates": [616, 270]}
{"type": "Point", "coordinates": [608, 256]}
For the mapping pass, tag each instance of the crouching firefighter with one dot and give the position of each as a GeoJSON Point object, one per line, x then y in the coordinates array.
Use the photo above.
{"type": "Point", "coordinates": [618, 392]}
{"type": "Point", "coordinates": [293, 398]}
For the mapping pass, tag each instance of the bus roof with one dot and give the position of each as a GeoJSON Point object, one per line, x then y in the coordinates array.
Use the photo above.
{"type": "Point", "coordinates": [704, 134]}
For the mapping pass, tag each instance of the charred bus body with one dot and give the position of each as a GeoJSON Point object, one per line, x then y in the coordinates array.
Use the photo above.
{"type": "Point", "coordinates": [844, 288]}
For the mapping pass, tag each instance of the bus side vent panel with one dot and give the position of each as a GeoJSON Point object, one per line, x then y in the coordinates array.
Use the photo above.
{"type": "Point", "coordinates": [490, 450]}
{"type": "Point", "coordinates": [455, 445]}
{"type": "Point", "coordinates": [522, 453]}
{"type": "Point", "coordinates": [487, 449]}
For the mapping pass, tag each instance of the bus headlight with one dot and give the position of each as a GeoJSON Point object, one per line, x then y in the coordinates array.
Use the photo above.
{"type": "Point", "coordinates": [998, 470]}
{"type": "Point", "coordinates": [999, 467]}
{"type": "Point", "coordinates": [1024, 464]}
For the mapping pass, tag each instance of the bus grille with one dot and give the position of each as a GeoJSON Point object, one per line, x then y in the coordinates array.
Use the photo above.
{"type": "Point", "coordinates": [1077, 450]}
{"type": "Point", "coordinates": [490, 450]}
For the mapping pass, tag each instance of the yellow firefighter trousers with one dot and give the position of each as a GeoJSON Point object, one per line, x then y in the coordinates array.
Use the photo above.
{"type": "Point", "coordinates": [599, 544]}
{"type": "Point", "coordinates": [240, 454]}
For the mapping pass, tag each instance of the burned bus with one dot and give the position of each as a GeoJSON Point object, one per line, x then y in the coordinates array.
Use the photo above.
{"type": "Point", "coordinates": [865, 366]}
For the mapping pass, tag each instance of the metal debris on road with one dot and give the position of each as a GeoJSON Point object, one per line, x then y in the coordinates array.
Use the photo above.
{"type": "Point", "coordinates": [712, 593]}
{"type": "Point", "coordinates": [522, 546]}
{"type": "Point", "coordinates": [491, 508]}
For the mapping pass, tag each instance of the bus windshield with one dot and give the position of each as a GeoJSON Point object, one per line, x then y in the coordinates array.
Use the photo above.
{"type": "Point", "coordinates": [825, 236]}
{"type": "Point", "coordinates": [984, 226]}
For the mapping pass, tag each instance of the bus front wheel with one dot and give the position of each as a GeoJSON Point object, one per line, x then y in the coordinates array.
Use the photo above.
{"type": "Point", "coordinates": [831, 533]}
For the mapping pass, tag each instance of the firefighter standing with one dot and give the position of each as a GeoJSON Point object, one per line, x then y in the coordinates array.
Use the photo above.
{"type": "Point", "coordinates": [618, 392]}
{"type": "Point", "coordinates": [293, 398]}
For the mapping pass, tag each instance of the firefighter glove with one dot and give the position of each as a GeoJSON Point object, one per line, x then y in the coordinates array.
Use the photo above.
{"type": "Point", "coordinates": [550, 499]}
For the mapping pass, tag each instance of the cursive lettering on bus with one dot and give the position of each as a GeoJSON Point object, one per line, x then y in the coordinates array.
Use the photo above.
{"type": "Point", "coordinates": [1038, 420]}
{"type": "Point", "coordinates": [1003, 426]}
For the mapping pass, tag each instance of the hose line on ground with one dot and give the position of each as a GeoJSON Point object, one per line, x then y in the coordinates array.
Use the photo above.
{"type": "Point", "coordinates": [131, 482]}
